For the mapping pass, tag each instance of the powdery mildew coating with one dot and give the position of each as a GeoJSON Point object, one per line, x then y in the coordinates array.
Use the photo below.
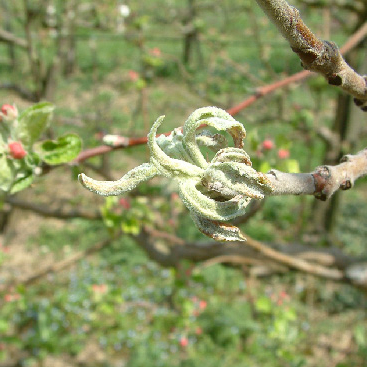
{"type": "Point", "coordinates": [214, 192]}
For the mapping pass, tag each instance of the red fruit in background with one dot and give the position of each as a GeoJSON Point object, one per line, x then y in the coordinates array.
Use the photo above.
{"type": "Point", "coordinates": [16, 150]}
{"type": "Point", "coordinates": [283, 153]}
{"type": "Point", "coordinates": [267, 144]}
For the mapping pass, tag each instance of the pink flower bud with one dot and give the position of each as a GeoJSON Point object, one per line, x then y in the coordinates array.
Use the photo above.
{"type": "Point", "coordinates": [99, 288]}
{"type": "Point", "coordinates": [283, 153]}
{"type": "Point", "coordinates": [9, 112]}
{"type": "Point", "coordinates": [133, 75]}
{"type": "Point", "coordinates": [174, 196]}
{"type": "Point", "coordinates": [8, 297]}
{"type": "Point", "coordinates": [125, 203]}
{"type": "Point", "coordinates": [268, 144]}
{"type": "Point", "coordinates": [16, 150]}
{"type": "Point", "coordinates": [202, 305]}
{"type": "Point", "coordinates": [284, 295]}
{"type": "Point", "coordinates": [4, 249]}
{"type": "Point", "coordinates": [184, 342]}
{"type": "Point", "coordinates": [156, 51]}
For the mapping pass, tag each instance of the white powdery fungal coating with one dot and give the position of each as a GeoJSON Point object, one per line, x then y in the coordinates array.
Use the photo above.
{"type": "Point", "coordinates": [219, 231]}
{"type": "Point", "coordinates": [169, 167]}
{"type": "Point", "coordinates": [127, 182]}
{"type": "Point", "coordinates": [214, 117]}
{"type": "Point", "coordinates": [213, 141]}
{"type": "Point", "coordinates": [215, 191]}
{"type": "Point", "coordinates": [209, 208]}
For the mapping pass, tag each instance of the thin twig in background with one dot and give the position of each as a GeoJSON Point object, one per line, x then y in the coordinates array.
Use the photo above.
{"type": "Point", "coordinates": [57, 266]}
{"type": "Point", "coordinates": [10, 38]}
{"type": "Point", "coordinates": [60, 213]}
{"type": "Point", "coordinates": [328, 263]}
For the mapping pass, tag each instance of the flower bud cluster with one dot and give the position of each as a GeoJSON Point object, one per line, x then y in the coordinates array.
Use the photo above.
{"type": "Point", "coordinates": [8, 120]}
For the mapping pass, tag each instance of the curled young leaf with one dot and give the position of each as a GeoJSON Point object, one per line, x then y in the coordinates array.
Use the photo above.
{"type": "Point", "coordinates": [214, 117]}
{"type": "Point", "coordinates": [214, 142]}
{"type": "Point", "coordinates": [232, 155]}
{"type": "Point", "coordinates": [209, 208]}
{"type": "Point", "coordinates": [172, 145]}
{"type": "Point", "coordinates": [219, 231]}
{"type": "Point", "coordinates": [127, 182]}
{"type": "Point", "coordinates": [231, 179]}
{"type": "Point", "coordinates": [166, 165]}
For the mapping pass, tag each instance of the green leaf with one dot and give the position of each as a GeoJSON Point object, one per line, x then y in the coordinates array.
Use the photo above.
{"type": "Point", "coordinates": [6, 173]}
{"type": "Point", "coordinates": [22, 182]}
{"type": "Point", "coordinates": [110, 220]}
{"type": "Point", "coordinates": [32, 122]}
{"type": "Point", "coordinates": [131, 226]}
{"type": "Point", "coordinates": [264, 166]}
{"type": "Point", "coordinates": [264, 305]}
{"type": "Point", "coordinates": [292, 166]}
{"type": "Point", "coordinates": [32, 160]}
{"type": "Point", "coordinates": [4, 326]}
{"type": "Point", "coordinates": [360, 335]}
{"type": "Point", "coordinates": [290, 314]}
{"type": "Point", "coordinates": [62, 150]}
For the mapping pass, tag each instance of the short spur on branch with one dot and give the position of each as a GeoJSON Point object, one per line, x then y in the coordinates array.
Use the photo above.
{"type": "Point", "coordinates": [215, 191]}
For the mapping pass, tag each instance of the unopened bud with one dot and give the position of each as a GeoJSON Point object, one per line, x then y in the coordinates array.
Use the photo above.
{"type": "Point", "coordinates": [16, 150]}
{"type": "Point", "coordinates": [268, 144]}
{"type": "Point", "coordinates": [283, 153]}
{"type": "Point", "coordinates": [9, 112]}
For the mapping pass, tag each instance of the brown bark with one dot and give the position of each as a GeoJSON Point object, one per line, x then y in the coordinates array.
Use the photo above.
{"type": "Point", "coordinates": [316, 55]}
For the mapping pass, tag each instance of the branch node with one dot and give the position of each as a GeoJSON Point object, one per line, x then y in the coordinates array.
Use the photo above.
{"type": "Point", "coordinates": [346, 185]}
{"type": "Point", "coordinates": [324, 172]}
{"type": "Point", "coordinates": [358, 102]}
{"type": "Point", "coordinates": [321, 177]}
{"type": "Point", "coordinates": [307, 57]}
{"type": "Point", "coordinates": [273, 172]}
{"type": "Point", "coordinates": [346, 158]}
{"type": "Point", "coordinates": [331, 49]}
{"type": "Point", "coordinates": [335, 80]}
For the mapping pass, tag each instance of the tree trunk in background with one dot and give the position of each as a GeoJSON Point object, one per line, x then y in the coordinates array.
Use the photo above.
{"type": "Point", "coordinates": [191, 39]}
{"type": "Point", "coordinates": [8, 27]}
{"type": "Point", "coordinates": [67, 42]}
